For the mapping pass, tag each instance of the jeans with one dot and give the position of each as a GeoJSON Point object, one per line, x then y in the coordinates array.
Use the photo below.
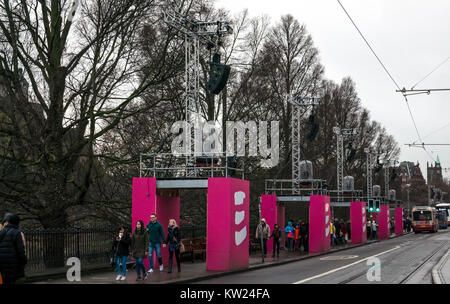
{"type": "Point", "coordinates": [121, 260]}
{"type": "Point", "coordinates": [291, 245]}
{"type": "Point", "coordinates": [140, 266]}
{"type": "Point", "coordinates": [177, 258]}
{"type": "Point", "coordinates": [276, 244]}
{"type": "Point", "coordinates": [374, 234]}
{"type": "Point", "coordinates": [157, 247]}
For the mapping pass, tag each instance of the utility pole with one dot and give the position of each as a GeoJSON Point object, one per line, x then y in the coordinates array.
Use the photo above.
{"type": "Point", "coordinates": [298, 103]}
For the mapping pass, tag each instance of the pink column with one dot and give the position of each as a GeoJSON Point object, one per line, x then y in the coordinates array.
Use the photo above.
{"type": "Point", "coordinates": [166, 208]}
{"type": "Point", "coordinates": [269, 211]}
{"type": "Point", "coordinates": [358, 221]}
{"type": "Point", "coordinates": [145, 202]}
{"type": "Point", "coordinates": [383, 222]}
{"type": "Point", "coordinates": [319, 224]}
{"type": "Point", "coordinates": [398, 221]}
{"type": "Point", "coordinates": [227, 224]}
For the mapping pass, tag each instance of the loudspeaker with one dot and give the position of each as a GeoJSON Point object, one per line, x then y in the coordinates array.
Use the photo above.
{"type": "Point", "coordinates": [218, 77]}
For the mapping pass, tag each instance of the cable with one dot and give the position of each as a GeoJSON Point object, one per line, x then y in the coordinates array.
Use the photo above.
{"type": "Point", "coordinates": [412, 117]}
{"type": "Point", "coordinates": [375, 54]}
{"type": "Point", "coordinates": [437, 68]}
{"type": "Point", "coordinates": [434, 132]}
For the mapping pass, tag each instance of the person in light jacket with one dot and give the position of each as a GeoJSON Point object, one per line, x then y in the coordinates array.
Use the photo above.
{"type": "Point", "coordinates": [263, 232]}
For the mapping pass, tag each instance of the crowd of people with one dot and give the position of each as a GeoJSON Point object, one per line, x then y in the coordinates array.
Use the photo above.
{"type": "Point", "coordinates": [340, 232]}
{"type": "Point", "coordinates": [296, 236]}
{"type": "Point", "coordinates": [144, 242]}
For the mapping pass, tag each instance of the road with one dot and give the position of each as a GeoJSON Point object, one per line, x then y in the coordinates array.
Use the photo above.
{"type": "Point", "coordinates": [403, 260]}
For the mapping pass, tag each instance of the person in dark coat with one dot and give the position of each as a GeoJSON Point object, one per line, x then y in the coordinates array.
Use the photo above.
{"type": "Point", "coordinates": [139, 247]}
{"type": "Point", "coordinates": [337, 225]}
{"type": "Point", "coordinates": [121, 245]}
{"type": "Point", "coordinates": [349, 230]}
{"type": "Point", "coordinates": [155, 236]}
{"type": "Point", "coordinates": [304, 233]}
{"type": "Point", "coordinates": [173, 239]}
{"type": "Point", "coordinates": [276, 235]}
{"type": "Point", "coordinates": [12, 250]}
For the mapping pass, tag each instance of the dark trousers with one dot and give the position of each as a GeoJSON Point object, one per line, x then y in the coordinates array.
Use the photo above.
{"type": "Point", "coordinates": [276, 244]}
{"type": "Point", "coordinates": [177, 258]}
{"type": "Point", "coordinates": [305, 243]}
{"type": "Point", "coordinates": [291, 244]}
{"type": "Point", "coordinates": [265, 246]}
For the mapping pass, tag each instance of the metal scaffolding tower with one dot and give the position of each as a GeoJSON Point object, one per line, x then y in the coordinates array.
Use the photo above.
{"type": "Point", "coordinates": [341, 133]}
{"type": "Point", "coordinates": [297, 104]}
{"type": "Point", "coordinates": [371, 153]}
{"type": "Point", "coordinates": [208, 33]}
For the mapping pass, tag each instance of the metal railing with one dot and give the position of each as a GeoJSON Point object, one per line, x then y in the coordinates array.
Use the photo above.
{"type": "Point", "coordinates": [286, 187]}
{"type": "Point", "coordinates": [345, 196]}
{"type": "Point", "coordinates": [203, 165]}
{"type": "Point", "coordinates": [47, 250]}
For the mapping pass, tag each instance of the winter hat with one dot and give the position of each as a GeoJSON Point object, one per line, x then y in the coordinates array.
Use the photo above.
{"type": "Point", "coordinates": [11, 219]}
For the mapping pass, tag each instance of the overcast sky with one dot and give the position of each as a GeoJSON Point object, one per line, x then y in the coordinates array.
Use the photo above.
{"type": "Point", "coordinates": [410, 36]}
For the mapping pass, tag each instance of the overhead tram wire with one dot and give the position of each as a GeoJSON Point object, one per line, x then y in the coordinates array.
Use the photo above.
{"type": "Point", "coordinates": [429, 74]}
{"type": "Point", "coordinates": [387, 71]}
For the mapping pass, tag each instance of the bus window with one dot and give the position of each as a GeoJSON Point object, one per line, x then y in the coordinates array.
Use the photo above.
{"type": "Point", "coordinates": [422, 216]}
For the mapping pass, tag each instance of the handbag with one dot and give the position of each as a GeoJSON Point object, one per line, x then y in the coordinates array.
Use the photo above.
{"type": "Point", "coordinates": [182, 249]}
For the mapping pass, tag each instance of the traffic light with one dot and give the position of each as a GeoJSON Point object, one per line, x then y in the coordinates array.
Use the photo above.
{"type": "Point", "coordinates": [371, 205]}
{"type": "Point", "coordinates": [377, 206]}
{"type": "Point", "coordinates": [218, 75]}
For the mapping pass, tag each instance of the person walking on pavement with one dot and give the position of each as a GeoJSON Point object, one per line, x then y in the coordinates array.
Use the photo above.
{"type": "Point", "coordinates": [155, 236]}
{"type": "Point", "coordinates": [304, 231]}
{"type": "Point", "coordinates": [374, 230]}
{"type": "Point", "coordinates": [332, 234]}
{"type": "Point", "coordinates": [349, 230]}
{"type": "Point", "coordinates": [290, 236]}
{"type": "Point", "coordinates": [173, 239]}
{"type": "Point", "coordinates": [12, 250]}
{"type": "Point", "coordinates": [263, 232]}
{"type": "Point", "coordinates": [139, 247]}
{"type": "Point", "coordinates": [343, 231]}
{"type": "Point", "coordinates": [121, 245]}
{"type": "Point", "coordinates": [276, 235]}
{"type": "Point", "coordinates": [369, 229]}
{"type": "Point", "coordinates": [337, 226]}
{"type": "Point", "coordinates": [297, 237]}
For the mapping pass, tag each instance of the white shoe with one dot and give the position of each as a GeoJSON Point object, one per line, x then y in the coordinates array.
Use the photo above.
{"type": "Point", "coordinates": [118, 277]}
{"type": "Point", "coordinates": [150, 270]}
{"type": "Point", "coordinates": [161, 267]}
{"type": "Point", "coordinates": [123, 278]}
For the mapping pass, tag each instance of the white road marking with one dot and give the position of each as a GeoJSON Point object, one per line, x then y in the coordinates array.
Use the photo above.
{"type": "Point", "coordinates": [343, 267]}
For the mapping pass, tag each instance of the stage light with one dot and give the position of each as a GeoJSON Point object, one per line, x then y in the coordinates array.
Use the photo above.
{"type": "Point", "coordinates": [229, 29]}
{"type": "Point", "coordinates": [352, 153]}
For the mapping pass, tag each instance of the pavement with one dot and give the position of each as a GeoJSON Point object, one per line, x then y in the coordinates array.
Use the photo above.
{"type": "Point", "coordinates": [441, 272]}
{"type": "Point", "coordinates": [402, 260]}
{"type": "Point", "coordinates": [196, 272]}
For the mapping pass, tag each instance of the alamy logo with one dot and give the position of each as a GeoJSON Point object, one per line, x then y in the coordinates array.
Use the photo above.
{"type": "Point", "coordinates": [208, 139]}
{"type": "Point", "coordinates": [74, 272]}
{"type": "Point", "coordinates": [374, 272]}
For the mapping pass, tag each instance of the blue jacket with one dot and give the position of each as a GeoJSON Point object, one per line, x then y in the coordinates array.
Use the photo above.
{"type": "Point", "coordinates": [289, 229]}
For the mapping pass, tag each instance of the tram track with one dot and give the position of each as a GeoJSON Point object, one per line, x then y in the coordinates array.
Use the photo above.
{"type": "Point", "coordinates": [409, 276]}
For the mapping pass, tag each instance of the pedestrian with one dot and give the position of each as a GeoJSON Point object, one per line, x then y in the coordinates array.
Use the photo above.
{"type": "Point", "coordinates": [304, 231]}
{"type": "Point", "coordinates": [139, 247]}
{"type": "Point", "coordinates": [337, 226]}
{"type": "Point", "coordinates": [263, 232]}
{"type": "Point", "coordinates": [297, 237]}
{"type": "Point", "coordinates": [343, 231]}
{"type": "Point", "coordinates": [349, 230]}
{"type": "Point", "coordinates": [332, 234]}
{"type": "Point", "coordinates": [12, 250]}
{"type": "Point", "coordinates": [369, 229]}
{"type": "Point", "coordinates": [155, 236]}
{"type": "Point", "coordinates": [374, 230]}
{"type": "Point", "coordinates": [121, 245]}
{"type": "Point", "coordinates": [392, 224]}
{"type": "Point", "coordinates": [290, 230]}
{"type": "Point", "coordinates": [173, 239]}
{"type": "Point", "coordinates": [276, 235]}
